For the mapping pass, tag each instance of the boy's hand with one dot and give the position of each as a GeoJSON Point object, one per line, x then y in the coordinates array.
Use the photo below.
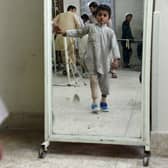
{"type": "Point", "coordinates": [115, 63]}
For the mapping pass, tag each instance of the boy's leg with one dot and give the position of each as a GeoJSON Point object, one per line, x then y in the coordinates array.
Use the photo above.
{"type": "Point", "coordinates": [94, 88]}
{"type": "Point", "coordinates": [104, 98]}
{"type": "Point", "coordinates": [94, 92]}
{"type": "Point", "coordinates": [104, 86]}
{"type": "Point", "coordinates": [114, 73]}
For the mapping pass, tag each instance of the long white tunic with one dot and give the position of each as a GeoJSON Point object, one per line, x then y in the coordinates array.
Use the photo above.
{"type": "Point", "coordinates": [102, 47]}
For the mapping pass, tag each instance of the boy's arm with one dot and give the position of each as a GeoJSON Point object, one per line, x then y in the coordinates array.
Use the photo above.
{"type": "Point", "coordinates": [76, 32]}
{"type": "Point", "coordinates": [116, 52]}
{"type": "Point", "coordinates": [115, 47]}
{"type": "Point", "coordinates": [73, 32]}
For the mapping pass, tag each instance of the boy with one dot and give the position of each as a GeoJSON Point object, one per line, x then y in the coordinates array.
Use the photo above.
{"type": "Point", "coordinates": [102, 45]}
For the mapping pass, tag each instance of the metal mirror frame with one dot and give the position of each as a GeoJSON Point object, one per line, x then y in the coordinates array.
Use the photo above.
{"type": "Point", "coordinates": [144, 140]}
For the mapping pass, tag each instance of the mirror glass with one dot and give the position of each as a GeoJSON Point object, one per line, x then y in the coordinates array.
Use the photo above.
{"type": "Point", "coordinates": [71, 93]}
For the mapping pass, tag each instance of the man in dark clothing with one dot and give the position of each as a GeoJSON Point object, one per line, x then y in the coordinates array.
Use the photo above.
{"type": "Point", "coordinates": [127, 37]}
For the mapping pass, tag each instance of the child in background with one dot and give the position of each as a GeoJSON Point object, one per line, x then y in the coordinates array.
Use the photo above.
{"type": "Point", "coordinates": [3, 116]}
{"type": "Point", "coordinates": [102, 47]}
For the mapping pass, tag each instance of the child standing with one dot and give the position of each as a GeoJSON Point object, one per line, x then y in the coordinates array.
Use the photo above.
{"type": "Point", "coordinates": [102, 47]}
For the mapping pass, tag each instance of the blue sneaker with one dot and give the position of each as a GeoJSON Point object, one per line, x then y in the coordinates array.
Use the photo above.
{"type": "Point", "coordinates": [104, 107]}
{"type": "Point", "coordinates": [95, 108]}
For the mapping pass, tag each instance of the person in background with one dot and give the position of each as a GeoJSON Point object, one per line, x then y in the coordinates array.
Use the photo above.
{"type": "Point", "coordinates": [102, 46]}
{"type": "Point", "coordinates": [85, 19]}
{"type": "Point", "coordinates": [127, 38]}
{"type": "Point", "coordinates": [66, 21]}
{"type": "Point", "coordinates": [93, 7]}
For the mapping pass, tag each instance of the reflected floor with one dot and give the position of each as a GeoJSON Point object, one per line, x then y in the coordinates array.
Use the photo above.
{"type": "Point", "coordinates": [75, 118]}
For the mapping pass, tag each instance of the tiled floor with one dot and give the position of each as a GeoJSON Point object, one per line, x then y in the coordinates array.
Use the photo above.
{"type": "Point", "coordinates": [21, 151]}
{"type": "Point", "coordinates": [21, 147]}
{"type": "Point", "coordinates": [123, 120]}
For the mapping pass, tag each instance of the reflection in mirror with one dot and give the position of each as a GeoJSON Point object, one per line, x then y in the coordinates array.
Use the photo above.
{"type": "Point", "coordinates": [74, 105]}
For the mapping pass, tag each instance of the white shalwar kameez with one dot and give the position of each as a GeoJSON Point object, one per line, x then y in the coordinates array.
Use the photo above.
{"type": "Point", "coordinates": [102, 47]}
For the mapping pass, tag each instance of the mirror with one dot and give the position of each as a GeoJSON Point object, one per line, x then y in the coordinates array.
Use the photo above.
{"type": "Point", "coordinates": [71, 93]}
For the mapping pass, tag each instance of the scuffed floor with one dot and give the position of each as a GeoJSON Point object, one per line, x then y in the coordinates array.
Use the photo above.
{"type": "Point", "coordinates": [21, 151]}
{"type": "Point", "coordinates": [75, 118]}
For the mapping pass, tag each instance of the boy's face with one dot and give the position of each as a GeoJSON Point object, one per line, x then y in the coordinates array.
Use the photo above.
{"type": "Point", "coordinates": [102, 17]}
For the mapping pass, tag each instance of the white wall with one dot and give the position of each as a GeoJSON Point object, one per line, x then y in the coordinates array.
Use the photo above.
{"type": "Point", "coordinates": [160, 69]}
{"type": "Point", "coordinates": [21, 58]}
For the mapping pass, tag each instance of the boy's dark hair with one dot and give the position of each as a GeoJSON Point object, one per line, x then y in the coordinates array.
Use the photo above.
{"type": "Point", "coordinates": [71, 7]}
{"type": "Point", "coordinates": [93, 4]}
{"type": "Point", "coordinates": [104, 8]}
